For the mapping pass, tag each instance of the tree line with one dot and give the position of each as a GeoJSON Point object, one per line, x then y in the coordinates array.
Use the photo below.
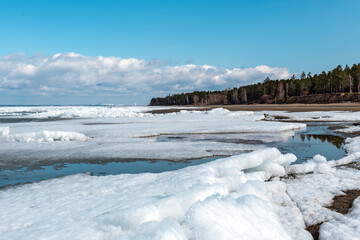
{"type": "Point", "coordinates": [338, 84]}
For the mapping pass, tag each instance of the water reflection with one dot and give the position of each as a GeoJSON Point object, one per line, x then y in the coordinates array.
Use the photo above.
{"type": "Point", "coordinates": [337, 141]}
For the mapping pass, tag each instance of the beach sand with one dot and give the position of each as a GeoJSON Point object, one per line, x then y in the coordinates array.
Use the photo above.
{"type": "Point", "coordinates": [353, 107]}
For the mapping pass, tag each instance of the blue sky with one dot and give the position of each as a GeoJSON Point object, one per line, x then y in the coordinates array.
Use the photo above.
{"type": "Point", "coordinates": [227, 35]}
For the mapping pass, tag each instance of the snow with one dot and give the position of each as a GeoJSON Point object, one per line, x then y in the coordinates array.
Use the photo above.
{"type": "Point", "coordinates": [226, 198]}
{"type": "Point", "coordinates": [317, 164]}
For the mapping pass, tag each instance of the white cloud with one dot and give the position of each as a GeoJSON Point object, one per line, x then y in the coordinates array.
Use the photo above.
{"type": "Point", "coordinates": [78, 74]}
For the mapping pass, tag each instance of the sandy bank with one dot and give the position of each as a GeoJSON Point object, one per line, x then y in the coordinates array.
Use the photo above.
{"type": "Point", "coordinates": [353, 107]}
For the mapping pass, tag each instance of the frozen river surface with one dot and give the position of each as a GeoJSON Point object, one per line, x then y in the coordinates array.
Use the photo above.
{"type": "Point", "coordinates": [188, 175]}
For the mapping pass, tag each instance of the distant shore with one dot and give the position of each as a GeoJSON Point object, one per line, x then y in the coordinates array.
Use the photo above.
{"type": "Point", "coordinates": [296, 107]}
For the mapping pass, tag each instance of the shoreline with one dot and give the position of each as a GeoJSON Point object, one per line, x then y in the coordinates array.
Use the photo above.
{"type": "Point", "coordinates": [296, 107]}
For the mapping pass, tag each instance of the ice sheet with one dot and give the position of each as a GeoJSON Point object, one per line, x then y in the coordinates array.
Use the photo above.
{"type": "Point", "coordinates": [133, 136]}
{"type": "Point", "coordinates": [111, 111]}
{"type": "Point", "coordinates": [319, 116]}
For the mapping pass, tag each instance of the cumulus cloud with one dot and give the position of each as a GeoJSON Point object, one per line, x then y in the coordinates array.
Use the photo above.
{"type": "Point", "coordinates": [78, 74]}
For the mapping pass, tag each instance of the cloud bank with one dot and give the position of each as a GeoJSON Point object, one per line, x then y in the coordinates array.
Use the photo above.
{"type": "Point", "coordinates": [73, 73]}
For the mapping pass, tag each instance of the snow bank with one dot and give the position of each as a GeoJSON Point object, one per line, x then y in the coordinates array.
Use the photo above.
{"type": "Point", "coordinates": [224, 199]}
{"type": "Point", "coordinates": [45, 136]}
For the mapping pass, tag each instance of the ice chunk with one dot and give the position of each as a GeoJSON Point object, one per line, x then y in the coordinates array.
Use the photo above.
{"type": "Point", "coordinates": [247, 217]}
{"type": "Point", "coordinates": [317, 164]}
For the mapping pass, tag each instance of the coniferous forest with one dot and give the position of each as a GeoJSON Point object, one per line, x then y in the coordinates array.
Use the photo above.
{"type": "Point", "coordinates": [338, 85]}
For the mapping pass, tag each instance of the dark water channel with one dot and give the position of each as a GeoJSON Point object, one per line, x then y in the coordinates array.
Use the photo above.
{"type": "Point", "coordinates": [316, 139]}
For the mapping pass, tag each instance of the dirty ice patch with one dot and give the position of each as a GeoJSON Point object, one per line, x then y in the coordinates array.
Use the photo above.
{"type": "Point", "coordinates": [312, 192]}
{"type": "Point", "coordinates": [45, 136]}
{"type": "Point", "coordinates": [350, 129]}
{"type": "Point", "coordinates": [338, 116]}
{"type": "Point", "coordinates": [221, 111]}
{"type": "Point", "coordinates": [181, 204]}
{"type": "Point", "coordinates": [345, 226]}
